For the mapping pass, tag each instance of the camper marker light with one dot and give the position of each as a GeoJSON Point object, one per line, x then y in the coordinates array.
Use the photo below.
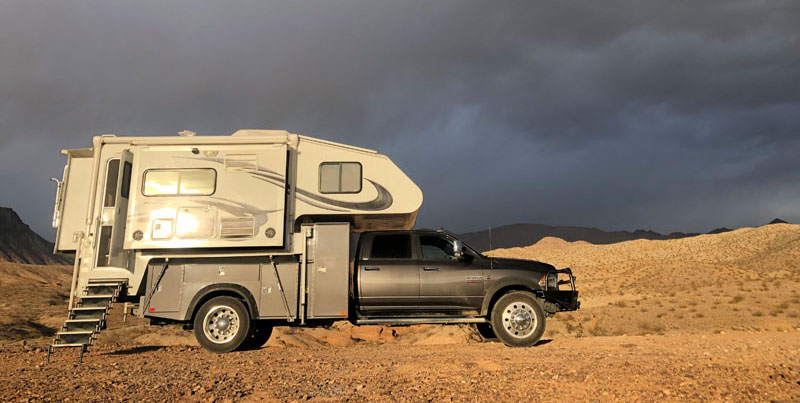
{"type": "Point", "coordinates": [152, 309]}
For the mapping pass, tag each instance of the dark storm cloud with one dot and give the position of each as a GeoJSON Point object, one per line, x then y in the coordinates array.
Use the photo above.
{"type": "Point", "coordinates": [671, 115]}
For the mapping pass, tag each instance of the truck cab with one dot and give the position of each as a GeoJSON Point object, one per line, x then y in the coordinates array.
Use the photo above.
{"type": "Point", "coordinates": [425, 276]}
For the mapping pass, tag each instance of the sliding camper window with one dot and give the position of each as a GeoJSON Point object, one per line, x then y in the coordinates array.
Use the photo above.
{"type": "Point", "coordinates": [180, 182]}
{"type": "Point", "coordinates": [340, 177]}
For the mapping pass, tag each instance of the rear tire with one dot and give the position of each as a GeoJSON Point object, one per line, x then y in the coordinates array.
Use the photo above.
{"type": "Point", "coordinates": [259, 336]}
{"type": "Point", "coordinates": [518, 319]}
{"type": "Point", "coordinates": [222, 324]}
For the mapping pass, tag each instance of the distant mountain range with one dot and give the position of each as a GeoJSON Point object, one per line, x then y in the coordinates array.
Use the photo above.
{"type": "Point", "coordinates": [18, 242]}
{"type": "Point", "coordinates": [509, 236]}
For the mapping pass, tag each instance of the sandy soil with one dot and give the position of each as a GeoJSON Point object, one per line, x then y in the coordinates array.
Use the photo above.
{"type": "Point", "coordinates": [713, 317]}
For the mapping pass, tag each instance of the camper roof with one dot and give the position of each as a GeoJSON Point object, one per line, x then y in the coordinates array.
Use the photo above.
{"type": "Point", "coordinates": [245, 136]}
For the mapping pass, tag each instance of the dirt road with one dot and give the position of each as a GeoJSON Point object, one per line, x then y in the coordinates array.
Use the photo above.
{"type": "Point", "coordinates": [741, 366]}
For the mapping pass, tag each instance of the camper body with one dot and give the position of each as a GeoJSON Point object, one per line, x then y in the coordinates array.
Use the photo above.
{"type": "Point", "coordinates": [231, 235]}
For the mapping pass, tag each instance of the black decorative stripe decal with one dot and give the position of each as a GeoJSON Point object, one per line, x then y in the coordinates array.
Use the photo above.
{"type": "Point", "coordinates": [382, 201]}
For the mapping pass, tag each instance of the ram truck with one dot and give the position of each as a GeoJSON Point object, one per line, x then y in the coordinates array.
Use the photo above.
{"type": "Point", "coordinates": [403, 277]}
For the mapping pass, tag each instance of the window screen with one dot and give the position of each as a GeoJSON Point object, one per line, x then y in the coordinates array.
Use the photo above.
{"type": "Point", "coordinates": [391, 247]}
{"type": "Point", "coordinates": [340, 177]}
{"type": "Point", "coordinates": [183, 182]}
{"type": "Point", "coordinates": [436, 248]}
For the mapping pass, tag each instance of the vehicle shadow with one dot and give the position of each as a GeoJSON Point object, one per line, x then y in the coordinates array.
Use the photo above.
{"type": "Point", "coordinates": [538, 343]}
{"type": "Point", "coordinates": [135, 350]}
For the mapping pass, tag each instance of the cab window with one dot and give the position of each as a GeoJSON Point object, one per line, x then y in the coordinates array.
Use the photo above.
{"type": "Point", "coordinates": [391, 246]}
{"type": "Point", "coordinates": [436, 248]}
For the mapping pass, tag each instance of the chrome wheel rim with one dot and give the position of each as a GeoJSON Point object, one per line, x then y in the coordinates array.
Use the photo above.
{"type": "Point", "coordinates": [221, 324]}
{"type": "Point", "coordinates": [519, 320]}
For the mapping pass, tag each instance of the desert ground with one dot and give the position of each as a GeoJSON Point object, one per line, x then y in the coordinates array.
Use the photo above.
{"type": "Point", "coordinates": [712, 317]}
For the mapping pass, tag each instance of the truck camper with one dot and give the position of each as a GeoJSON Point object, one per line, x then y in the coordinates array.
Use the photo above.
{"type": "Point", "coordinates": [232, 235]}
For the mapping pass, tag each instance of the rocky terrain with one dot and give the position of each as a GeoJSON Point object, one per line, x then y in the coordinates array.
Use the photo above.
{"type": "Point", "coordinates": [712, 317]}
{"type": "Point", "coordinates": [18, 243]}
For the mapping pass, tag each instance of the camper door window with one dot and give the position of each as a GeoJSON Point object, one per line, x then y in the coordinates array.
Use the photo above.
{"type": "Point", "coordinates": [340, 177]}
{"type": "Point", "coordinates": [180, 182]}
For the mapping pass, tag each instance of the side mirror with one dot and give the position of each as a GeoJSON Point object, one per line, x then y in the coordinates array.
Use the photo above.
{"type": "Point", "coordinates": [458, 248]}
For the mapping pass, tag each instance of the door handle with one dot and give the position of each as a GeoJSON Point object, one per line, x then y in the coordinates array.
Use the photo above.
{"type": "Point", "coordinates": [373, 268]}
{"type": "Point", "coordinates": [430, 268]}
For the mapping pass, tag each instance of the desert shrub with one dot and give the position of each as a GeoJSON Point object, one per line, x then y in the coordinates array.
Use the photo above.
{"type": "Point", "coordinates": [758, 314]}
{"type": "Point", "coordinates": [651, 327]}
{"type": "Point", "coordinates": [737, 299]}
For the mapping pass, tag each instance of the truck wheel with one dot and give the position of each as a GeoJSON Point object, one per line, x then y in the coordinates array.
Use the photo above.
{"type": "Point", "coordinates": [222, 324]}
{"type": "Point", "coordinates": [485, 330]}
{"type": "Point", "coordinates": [518, 319]}
{"type": "Point", "coordinates": [262, 330]}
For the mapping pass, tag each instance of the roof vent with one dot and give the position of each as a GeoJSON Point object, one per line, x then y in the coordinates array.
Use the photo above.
{"type": "Point", "coordinates": [187, 133]}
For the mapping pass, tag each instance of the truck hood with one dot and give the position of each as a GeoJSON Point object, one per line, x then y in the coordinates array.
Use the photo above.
{"type": "Point", "coordinates": [521, 264]}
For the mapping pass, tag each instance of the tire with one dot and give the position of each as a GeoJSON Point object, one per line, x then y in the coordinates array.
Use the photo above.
{"type": "Point", "coordinates": [261, 331]}
{"type": "Point", "coordinates": [485, 330]}
{"type": "Point", "coordinates": [518, 319]}
{"type": "Point", "coordinates": [222, 324]}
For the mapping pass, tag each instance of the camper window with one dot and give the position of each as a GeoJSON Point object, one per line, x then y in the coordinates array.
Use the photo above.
{"type": "Point", "coordinates": [112, 176]}
{"type": "Point", "coordinates": [340, 177]}
{"type": "Point", "coordinates": [180, 182]}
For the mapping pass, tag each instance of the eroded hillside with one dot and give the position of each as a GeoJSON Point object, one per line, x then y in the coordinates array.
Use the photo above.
{"type": "Point", "coordinates": [747, 279]}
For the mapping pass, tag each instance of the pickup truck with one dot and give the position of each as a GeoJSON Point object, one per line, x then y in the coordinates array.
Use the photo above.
{"type": "Point", "coordinates": [424, 276]}
{"type": "Point", "coordinates": [398, 277]}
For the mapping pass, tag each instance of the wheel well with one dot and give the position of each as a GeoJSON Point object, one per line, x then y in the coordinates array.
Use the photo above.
{"type": "Point", "coordinates": [225, 292]}
{"type": "Point", "coordinates": [503, 291]}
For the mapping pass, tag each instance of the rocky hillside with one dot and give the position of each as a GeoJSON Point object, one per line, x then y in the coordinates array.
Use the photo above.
{"type": "Point", "coordinates": [747, 280]}
{"type": "Point", "coordinates": [19, 244]}
{"type": "Point", "coordinates": [514, 235]}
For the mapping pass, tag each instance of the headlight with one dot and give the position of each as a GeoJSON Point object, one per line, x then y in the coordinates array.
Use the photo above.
{"type": "Point", "coordinates": [552, 281]}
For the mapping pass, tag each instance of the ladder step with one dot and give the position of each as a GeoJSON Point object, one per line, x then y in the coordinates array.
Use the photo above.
{"type": "Point", "coordinates": [88, 313]}
{"type": "Point", "coordinates": [92, 324]}
{"type": "Point", "coordinates": [67, 345]}
{"type": "Point", "coordinates": [100, 301]}
{"type": "Point", "coordinates": [75, 332]}
{"type": "Point", "coordinates": [104, 289]}
{"type": "Point", "coordinates": [99, 296]}
{"type": "Point", "coordinates": [76, 337]}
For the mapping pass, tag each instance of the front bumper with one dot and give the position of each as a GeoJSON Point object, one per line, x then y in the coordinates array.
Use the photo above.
{"type": "Point", "coordinates": [565, 298]}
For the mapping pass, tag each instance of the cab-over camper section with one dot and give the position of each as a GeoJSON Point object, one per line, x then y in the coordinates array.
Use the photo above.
{"type": "Point", "coordinates": [235, 213]}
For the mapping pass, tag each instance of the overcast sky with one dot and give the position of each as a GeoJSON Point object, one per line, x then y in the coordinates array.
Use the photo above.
{"type": "Point", "coordinates": [669, 115]}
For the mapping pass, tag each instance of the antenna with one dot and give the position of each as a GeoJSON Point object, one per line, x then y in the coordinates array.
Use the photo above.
{"type": "Point", "coordinates": [491, 261]}
{"type": "Point", "coordinates": [490, 233]}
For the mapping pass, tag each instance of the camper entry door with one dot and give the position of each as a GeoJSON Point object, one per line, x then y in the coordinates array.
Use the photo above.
{"type": "Point", "coordinates": [110, 251]}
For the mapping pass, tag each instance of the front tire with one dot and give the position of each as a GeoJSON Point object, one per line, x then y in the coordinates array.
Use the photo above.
{"type": "Point", "coordinates": [222, 324]}
{"type": "Point", "coordinates": [518, 319]}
